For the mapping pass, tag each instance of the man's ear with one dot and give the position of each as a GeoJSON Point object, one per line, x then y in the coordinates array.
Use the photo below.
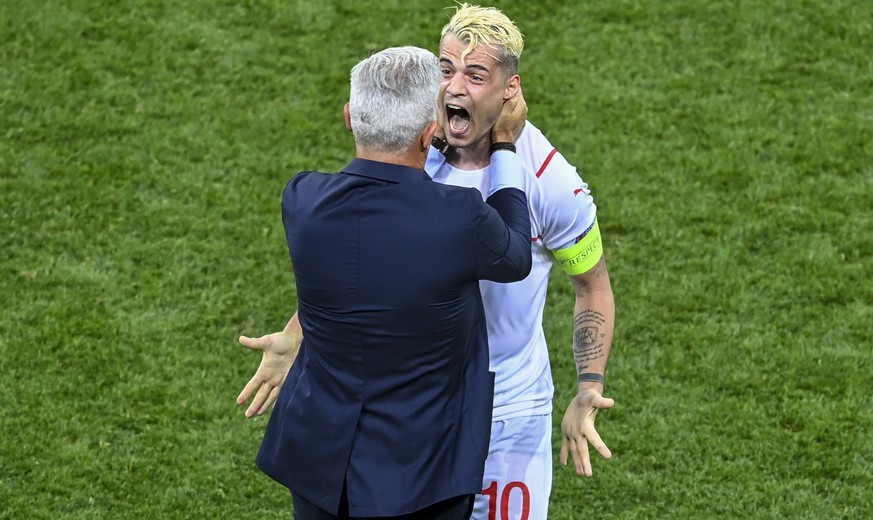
{"type": "Point", "coordinates": [348, 116]}
{"type": "Point", "coordinates": [513, 85]}
{"type": "Point", "coordinates": [427, 135]}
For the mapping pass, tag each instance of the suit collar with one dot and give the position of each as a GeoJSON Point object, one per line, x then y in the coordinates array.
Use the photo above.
{"type": "Point", "coordinates": [385, 171]}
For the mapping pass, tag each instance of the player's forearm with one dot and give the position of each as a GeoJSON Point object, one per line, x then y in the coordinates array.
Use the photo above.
{"type": "Point", "coordinates": [593, 327]}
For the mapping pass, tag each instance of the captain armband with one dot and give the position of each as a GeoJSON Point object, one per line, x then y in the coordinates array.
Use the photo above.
{"type": "Point", "coordinates": [584, 254]}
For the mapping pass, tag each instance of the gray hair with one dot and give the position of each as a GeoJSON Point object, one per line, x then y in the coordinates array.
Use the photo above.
{"type": "Point", "coordinates": [393, 98]}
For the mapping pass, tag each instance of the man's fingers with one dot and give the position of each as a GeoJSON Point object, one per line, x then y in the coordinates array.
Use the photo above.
{"type": "Point", "coordinates": [253, 407]}
{"type": "Point", "coordinates": [441, 109]}
{"type": "Point", "coordinates": [517, 105]}
{"type": "Point", "coordinates": [564, 451]}
{"type": "Point", "coordinates": [274, 393]}
{"type": "Point", "coordinates": [255, 343]}
{"type": "Point", "coordinates": [520, 104]}
{"type": "Point", "coordinates": [250, 387]}
{"type": "Point", "coordinates": [258, 401]}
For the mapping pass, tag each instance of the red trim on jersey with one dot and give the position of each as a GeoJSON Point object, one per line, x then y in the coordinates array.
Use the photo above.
{"type": "Point", "coordinates": [543, 167]}
{"type": "Point", "coordinates": [576, 191]}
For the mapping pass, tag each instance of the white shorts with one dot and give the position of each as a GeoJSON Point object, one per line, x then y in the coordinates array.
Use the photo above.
{"type": "Point", "coordinates": [518, 470]}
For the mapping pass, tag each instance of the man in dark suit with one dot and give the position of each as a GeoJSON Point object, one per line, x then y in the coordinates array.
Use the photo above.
{"type": "Point", "coordinates": [386, 411]}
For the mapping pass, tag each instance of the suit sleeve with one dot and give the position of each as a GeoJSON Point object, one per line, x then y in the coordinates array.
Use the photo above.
{"type": "Point", "coordinates": [502, 226]}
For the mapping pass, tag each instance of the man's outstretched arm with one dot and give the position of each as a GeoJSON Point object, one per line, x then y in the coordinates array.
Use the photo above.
{"type": "Point", "coordinates": [279, 352]}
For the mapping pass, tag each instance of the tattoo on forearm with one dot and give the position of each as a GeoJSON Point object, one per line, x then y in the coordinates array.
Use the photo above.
{"type": "Point", "coordinates": [587, 338]}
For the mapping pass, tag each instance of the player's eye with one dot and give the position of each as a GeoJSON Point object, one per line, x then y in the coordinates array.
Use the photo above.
{"type": "Point", "coordinates": [446, 73]}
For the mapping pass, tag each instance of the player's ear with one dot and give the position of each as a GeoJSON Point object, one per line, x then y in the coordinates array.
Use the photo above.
{"type": "Point", "coordinates": [348, 116]}
{"type": "Point", "coordinates": [513, 86]}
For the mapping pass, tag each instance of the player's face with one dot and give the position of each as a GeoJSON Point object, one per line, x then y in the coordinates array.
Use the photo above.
{"type": "Point", "coordinates": [474, 90]}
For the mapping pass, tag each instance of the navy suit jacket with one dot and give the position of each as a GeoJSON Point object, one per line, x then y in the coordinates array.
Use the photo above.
{"type": "Point", "coordinates": [390, 393]}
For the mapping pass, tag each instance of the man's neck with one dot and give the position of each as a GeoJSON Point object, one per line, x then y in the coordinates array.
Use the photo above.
{"type": "Point", "coordinates": [473, 157]}
{"type": "Point", "coordinates": [413, 158]}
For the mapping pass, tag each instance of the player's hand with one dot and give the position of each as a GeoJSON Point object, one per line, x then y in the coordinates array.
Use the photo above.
{"type": "Point", "coordinates": [512, 118]}
{"type": "Point", "coordinates": [578, 430]}
{"type": "Point", "coordinates": [280, 350]}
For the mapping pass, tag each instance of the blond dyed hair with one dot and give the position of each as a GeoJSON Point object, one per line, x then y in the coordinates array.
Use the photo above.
{"type": "Point", "coordinates": [488, 26]}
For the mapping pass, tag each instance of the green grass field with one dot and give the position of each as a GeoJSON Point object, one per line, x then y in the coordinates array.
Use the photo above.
{"type": "Point", "coordinates": [144, 146]}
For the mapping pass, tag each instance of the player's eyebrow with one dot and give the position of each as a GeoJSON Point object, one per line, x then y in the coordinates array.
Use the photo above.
{"type": "Point", "coordinates": [483, 68]}
{"type": "Point", "coordinates": [476, 66]}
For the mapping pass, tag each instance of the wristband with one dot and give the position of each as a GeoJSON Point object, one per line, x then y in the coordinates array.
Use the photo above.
{"type": "Point", "coordinates": [501, 146]}
{"type": "Point", "coordinates": [440, 144]}
{"type": "Point", "coordinates": [590, 377]}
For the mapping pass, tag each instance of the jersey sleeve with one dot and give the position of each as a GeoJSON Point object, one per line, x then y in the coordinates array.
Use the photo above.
{"type": "Point", "coordinates": [566, 208]}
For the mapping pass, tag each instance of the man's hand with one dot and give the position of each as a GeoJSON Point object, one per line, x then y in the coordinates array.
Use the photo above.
{"type": "Point", "coordinates": [280, 350]}
{"type": "Point", "coordinates": [440, 132]}
{"type": "Point", "coordinates": [511, 122]}
{"type": "Point", "coordinates": [578, 430]}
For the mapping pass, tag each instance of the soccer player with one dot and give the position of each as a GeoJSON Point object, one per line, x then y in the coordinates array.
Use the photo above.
{"type": "Point", "coordinates": [479, 54]}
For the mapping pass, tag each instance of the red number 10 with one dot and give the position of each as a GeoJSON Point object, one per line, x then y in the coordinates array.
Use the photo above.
{"type": "Point", "coordinates": [491, 493]}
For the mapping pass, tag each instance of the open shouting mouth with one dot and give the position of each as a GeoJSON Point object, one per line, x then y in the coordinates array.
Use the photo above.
{"type": "Point", "coordinates": [458, 119]}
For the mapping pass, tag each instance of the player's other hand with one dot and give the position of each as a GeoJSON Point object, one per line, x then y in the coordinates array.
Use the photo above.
{"type": "Point", "coordinates": [512, 118]}
{"type": "Point", "coordinates": [578, 430]}
{"type": "Point", "coordinates": [279, 352]}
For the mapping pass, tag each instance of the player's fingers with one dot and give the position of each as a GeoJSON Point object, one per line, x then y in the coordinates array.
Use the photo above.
{"type": "Point", "coordinates": [584, 465]}
{"type": "Point", "coordinates": [576, 455]}
{"type": "Point", "coordinates": [597, 442]}
{"type": "Point", "coordinates": [564, 451]}
{"type": "Point", "coordinates": [603, 402]}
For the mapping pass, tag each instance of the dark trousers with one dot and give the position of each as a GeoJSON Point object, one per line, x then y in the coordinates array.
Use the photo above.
{"type": "Point", "coordinates": [457, 508]}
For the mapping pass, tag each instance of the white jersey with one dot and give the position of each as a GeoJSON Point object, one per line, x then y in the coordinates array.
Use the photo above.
{"type": "Point", "coordinates": [561, 210]}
